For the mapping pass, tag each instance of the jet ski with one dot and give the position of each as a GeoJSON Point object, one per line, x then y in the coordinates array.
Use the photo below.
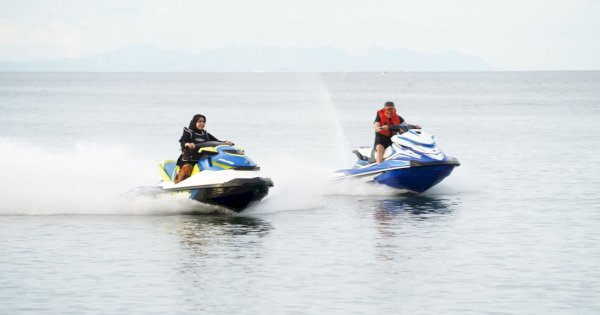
{"type": "Point", "coordinates": [413, 163]}
{"type": "Point", "coordinates": [223, 176]}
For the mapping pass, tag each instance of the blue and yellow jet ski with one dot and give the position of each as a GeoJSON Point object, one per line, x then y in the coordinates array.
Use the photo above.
{"type": "Point", "coordinates": [223, 176]}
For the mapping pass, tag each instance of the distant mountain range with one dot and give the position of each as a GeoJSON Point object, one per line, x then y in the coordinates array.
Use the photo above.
{"type": "Point", "coordinates": [256, 58]}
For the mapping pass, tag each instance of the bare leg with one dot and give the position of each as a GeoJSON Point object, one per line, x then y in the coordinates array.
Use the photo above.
{"type": "Point", "coordinates": [379, 154]}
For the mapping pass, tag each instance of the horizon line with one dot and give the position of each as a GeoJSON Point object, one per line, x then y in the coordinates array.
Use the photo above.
{"type": "Point", "coordinates": [269, 71]}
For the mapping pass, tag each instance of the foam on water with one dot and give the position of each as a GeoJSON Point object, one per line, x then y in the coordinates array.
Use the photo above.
{"type": "Point", "coordinates": [98, 179]}
{"type": "Point", "coordinates": [301, 183]}
{"type": "Point", "coordinates": [87, 179]}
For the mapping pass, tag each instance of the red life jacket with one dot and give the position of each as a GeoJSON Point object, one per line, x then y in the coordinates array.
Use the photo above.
{"type": "Point", "coordinates": [384, 120]}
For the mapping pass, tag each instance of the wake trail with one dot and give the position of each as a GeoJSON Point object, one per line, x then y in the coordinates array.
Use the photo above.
{"type": "Point", "coordinates": [85, 179]}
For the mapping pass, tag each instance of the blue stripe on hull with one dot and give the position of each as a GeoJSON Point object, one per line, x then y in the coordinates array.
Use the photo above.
{"type": "Point", "coordinates": [416, 179]}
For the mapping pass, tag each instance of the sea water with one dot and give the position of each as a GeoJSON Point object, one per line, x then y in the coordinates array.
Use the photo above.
{"type": "Point", "coordinates": [515, 228]}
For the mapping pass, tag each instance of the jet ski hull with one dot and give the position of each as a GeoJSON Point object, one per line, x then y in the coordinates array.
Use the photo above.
{"type": "Point", "coordinates": [415, 179]}
{"type": "Point", "coordinates": [235, 195]}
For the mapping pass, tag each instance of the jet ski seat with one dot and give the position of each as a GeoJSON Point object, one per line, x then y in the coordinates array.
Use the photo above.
{"type": "Point", "coordinates": [368, 153]}
{"type": "Point", "coordinates": [365, 153]}
{"type": "Point", "coordinates": [170, 169]}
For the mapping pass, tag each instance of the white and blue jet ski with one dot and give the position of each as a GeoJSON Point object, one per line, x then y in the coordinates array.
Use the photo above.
{"type": "Point", "coordinates": [413, 163]}
{"type": "Point", "coordinates": [223, 176]}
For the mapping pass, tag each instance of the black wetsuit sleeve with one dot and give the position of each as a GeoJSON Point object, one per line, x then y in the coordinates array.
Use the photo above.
{"type": "Point", "coordinates": [185, 138]}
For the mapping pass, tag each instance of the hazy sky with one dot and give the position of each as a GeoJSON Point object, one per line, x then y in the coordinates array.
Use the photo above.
{"type": "Point", "coordinates": [510, 34]}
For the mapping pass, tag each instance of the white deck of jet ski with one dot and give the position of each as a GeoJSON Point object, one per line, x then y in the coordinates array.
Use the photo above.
{"type": "Point", "coordinates": [209, 179]}
{"type": "Point", "coordinates": [374, 173]}
{"type": "Point", "coordinates": [420, 141]}
{"type": "Point", "coordinates": [415, 139]}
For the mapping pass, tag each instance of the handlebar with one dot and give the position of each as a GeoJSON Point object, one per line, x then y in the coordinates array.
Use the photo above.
{"type": "Point", "coordinates": [205, 144]}
{"type": "Point", "coordinates": [402, 127]}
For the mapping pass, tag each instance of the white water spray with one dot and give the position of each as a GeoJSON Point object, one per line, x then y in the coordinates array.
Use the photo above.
{"type": "Point", "coordinates": [86, 179]}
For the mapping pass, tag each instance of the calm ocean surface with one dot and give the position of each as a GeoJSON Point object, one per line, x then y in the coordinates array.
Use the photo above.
{"type": "Point", "coordinates": [514, 230]}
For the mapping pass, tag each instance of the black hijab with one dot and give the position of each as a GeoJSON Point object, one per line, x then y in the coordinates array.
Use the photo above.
{"type": "Point", "coordinates": [194, 120]}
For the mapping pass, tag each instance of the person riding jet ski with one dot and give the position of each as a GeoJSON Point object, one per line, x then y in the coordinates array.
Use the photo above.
{"type": "Point", "coordinates": [192, 138]}
{"type": "Point", "coordinates": [387, 123]}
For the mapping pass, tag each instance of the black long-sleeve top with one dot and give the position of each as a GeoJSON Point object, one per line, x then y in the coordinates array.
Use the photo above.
{"type": "Point", "coordinates": [191, 136]}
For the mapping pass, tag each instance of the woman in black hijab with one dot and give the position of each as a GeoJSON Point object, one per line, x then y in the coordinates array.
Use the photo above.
{"type": "Point", "coordinates": [192, 137]}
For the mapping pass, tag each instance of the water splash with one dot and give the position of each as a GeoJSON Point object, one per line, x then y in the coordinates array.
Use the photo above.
{"type": "Point", "coordinates": [331, 111]}
{"type": "Point", "coordinates": [86, 179]}
{"type": "Point", "coordinates": [324, 111]}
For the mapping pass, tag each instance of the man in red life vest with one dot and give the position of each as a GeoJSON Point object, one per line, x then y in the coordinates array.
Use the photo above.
{"type": "Point", "coordinates": [385, 118]}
